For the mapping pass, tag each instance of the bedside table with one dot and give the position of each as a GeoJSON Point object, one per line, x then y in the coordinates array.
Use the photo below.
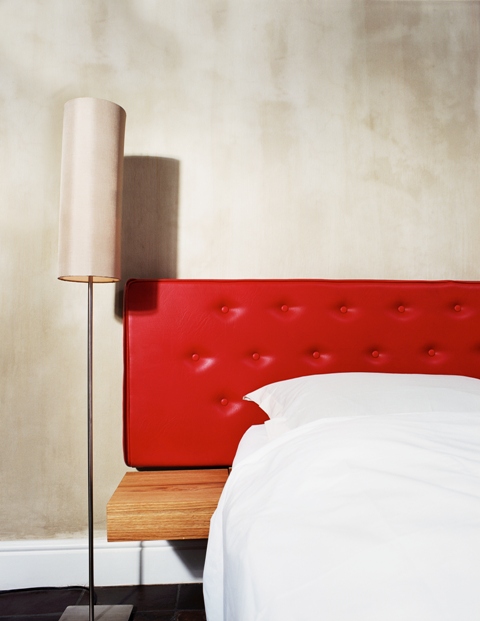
{"type": "Point", "coordinates": [170, 504]}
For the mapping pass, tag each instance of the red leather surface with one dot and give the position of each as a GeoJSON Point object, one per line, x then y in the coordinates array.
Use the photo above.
{"type": "Point", "coordinates": [193, 348]}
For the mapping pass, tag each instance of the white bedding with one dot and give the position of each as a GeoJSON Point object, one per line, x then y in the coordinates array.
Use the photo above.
{"type": "Point", "coordinates": [351, 519]}
{"type": "Point", "coordinates": [255, 438]}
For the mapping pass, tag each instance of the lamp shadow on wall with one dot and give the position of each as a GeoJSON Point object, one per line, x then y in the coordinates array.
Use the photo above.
{"type": "Point", "coordinates": [149, 220]}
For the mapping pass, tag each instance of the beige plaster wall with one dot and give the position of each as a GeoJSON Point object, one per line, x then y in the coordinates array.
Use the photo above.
{"type": "Point", "coordinates": [265, 138]}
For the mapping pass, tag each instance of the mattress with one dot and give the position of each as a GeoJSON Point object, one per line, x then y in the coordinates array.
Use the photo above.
{"type": "Point", "coordinates": [351, 518]}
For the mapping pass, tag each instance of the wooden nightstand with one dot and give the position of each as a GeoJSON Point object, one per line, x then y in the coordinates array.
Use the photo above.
{"type": "Point", "coordinates": [170, 504]}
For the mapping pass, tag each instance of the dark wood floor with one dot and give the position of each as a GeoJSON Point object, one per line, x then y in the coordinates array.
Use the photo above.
{"type": "Point", "coordinates": [171, 602]}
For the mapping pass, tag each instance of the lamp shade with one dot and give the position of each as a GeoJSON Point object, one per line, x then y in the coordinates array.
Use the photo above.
{"type": "Point", "coordinates": [91, 190]}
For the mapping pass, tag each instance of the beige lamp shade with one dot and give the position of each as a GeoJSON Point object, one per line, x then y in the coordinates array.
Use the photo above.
{"type": "Point", "coordinates": [91, 190]}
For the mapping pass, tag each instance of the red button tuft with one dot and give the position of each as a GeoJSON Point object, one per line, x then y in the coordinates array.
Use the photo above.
{"type": "Point", "coordinates": [256, 356]}
{"type": "Point", "coordinates": [284, 308]}
{"type": "Point", "coordinates": [431, 352]}
{"type": "Point", "coordinates": [316, 354]}
{"type": "Point", "coordinates": [457, 308]}
{"type": "Point", "coordinates": [401, 309]}
{"type": "Point", "coordinates": [343, 309]}
{"type": "Point", "coordinates": [225, 309]}
{"type": "Point", "coordinates": [195, 357]}
{"type": "Point", "coordinates": [224, 401]}
{"type": "Point", "coordinates": [375, 353]}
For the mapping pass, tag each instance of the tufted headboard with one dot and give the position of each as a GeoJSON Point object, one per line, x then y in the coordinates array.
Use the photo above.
{"type": "Point", "coordinates": [193, 348]}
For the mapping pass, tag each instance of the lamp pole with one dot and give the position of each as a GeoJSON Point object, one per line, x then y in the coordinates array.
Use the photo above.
{"type": "Point", "coordinates": [91, 570]}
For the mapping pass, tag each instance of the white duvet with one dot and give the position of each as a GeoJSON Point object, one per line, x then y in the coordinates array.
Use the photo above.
{"type": "Point", "coordinates": [375, 518]}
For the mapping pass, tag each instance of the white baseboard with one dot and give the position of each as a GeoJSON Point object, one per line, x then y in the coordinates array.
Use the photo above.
{"type": "Point", "coordinates": [64, 562]}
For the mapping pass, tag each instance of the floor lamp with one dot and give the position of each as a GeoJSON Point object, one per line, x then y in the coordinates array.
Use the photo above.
{"type": "Point", "coordinates": [89, 252]}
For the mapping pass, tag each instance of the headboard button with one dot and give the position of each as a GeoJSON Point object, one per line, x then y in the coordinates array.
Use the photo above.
{"type": "Point", "coordinates": [316, 354]}
{"type": "Point", "coordinates": [195, 357]}
{"type": "Point", "coordinates": [224, 401]}
{"type": "Point", "coordinates": [375, 353]}
{"type": "Point", "coordinates": [343, 309]}
{"type": "Point", "coordinates": [256, 356]}
{"type": "Point", "coordinates": [401, 308]}
{"type": "Point", "coordinates": [457, 308]}
{"type": "Point", "coordinates": [284, 308]}
{"type": "Point", "coordinates": [431, 352]}
{"type": "Point", "coordinates": [225, 309]}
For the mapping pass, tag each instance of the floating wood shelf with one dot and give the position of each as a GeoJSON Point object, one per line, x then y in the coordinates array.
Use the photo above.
{"type": "Point", "coordinates": [171, 504]}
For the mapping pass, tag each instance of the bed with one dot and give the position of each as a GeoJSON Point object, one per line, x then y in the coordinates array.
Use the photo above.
{"type": "Point", "coordinates": [350, 412]}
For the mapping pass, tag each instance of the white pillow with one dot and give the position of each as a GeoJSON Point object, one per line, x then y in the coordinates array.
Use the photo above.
{"type": "Point", "coordinates": [305, 399]}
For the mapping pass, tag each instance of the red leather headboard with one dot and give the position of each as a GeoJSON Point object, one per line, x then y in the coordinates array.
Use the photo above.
{"type": "Point", "coordinates": [193, 348]}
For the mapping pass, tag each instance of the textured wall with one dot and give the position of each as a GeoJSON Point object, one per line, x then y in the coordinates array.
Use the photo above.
{"type": "Point", "coordinates": [265, 138]}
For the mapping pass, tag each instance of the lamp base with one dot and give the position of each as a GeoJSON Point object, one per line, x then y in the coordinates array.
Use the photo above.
{"type": "Point", "coordinates": [120, 612]}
